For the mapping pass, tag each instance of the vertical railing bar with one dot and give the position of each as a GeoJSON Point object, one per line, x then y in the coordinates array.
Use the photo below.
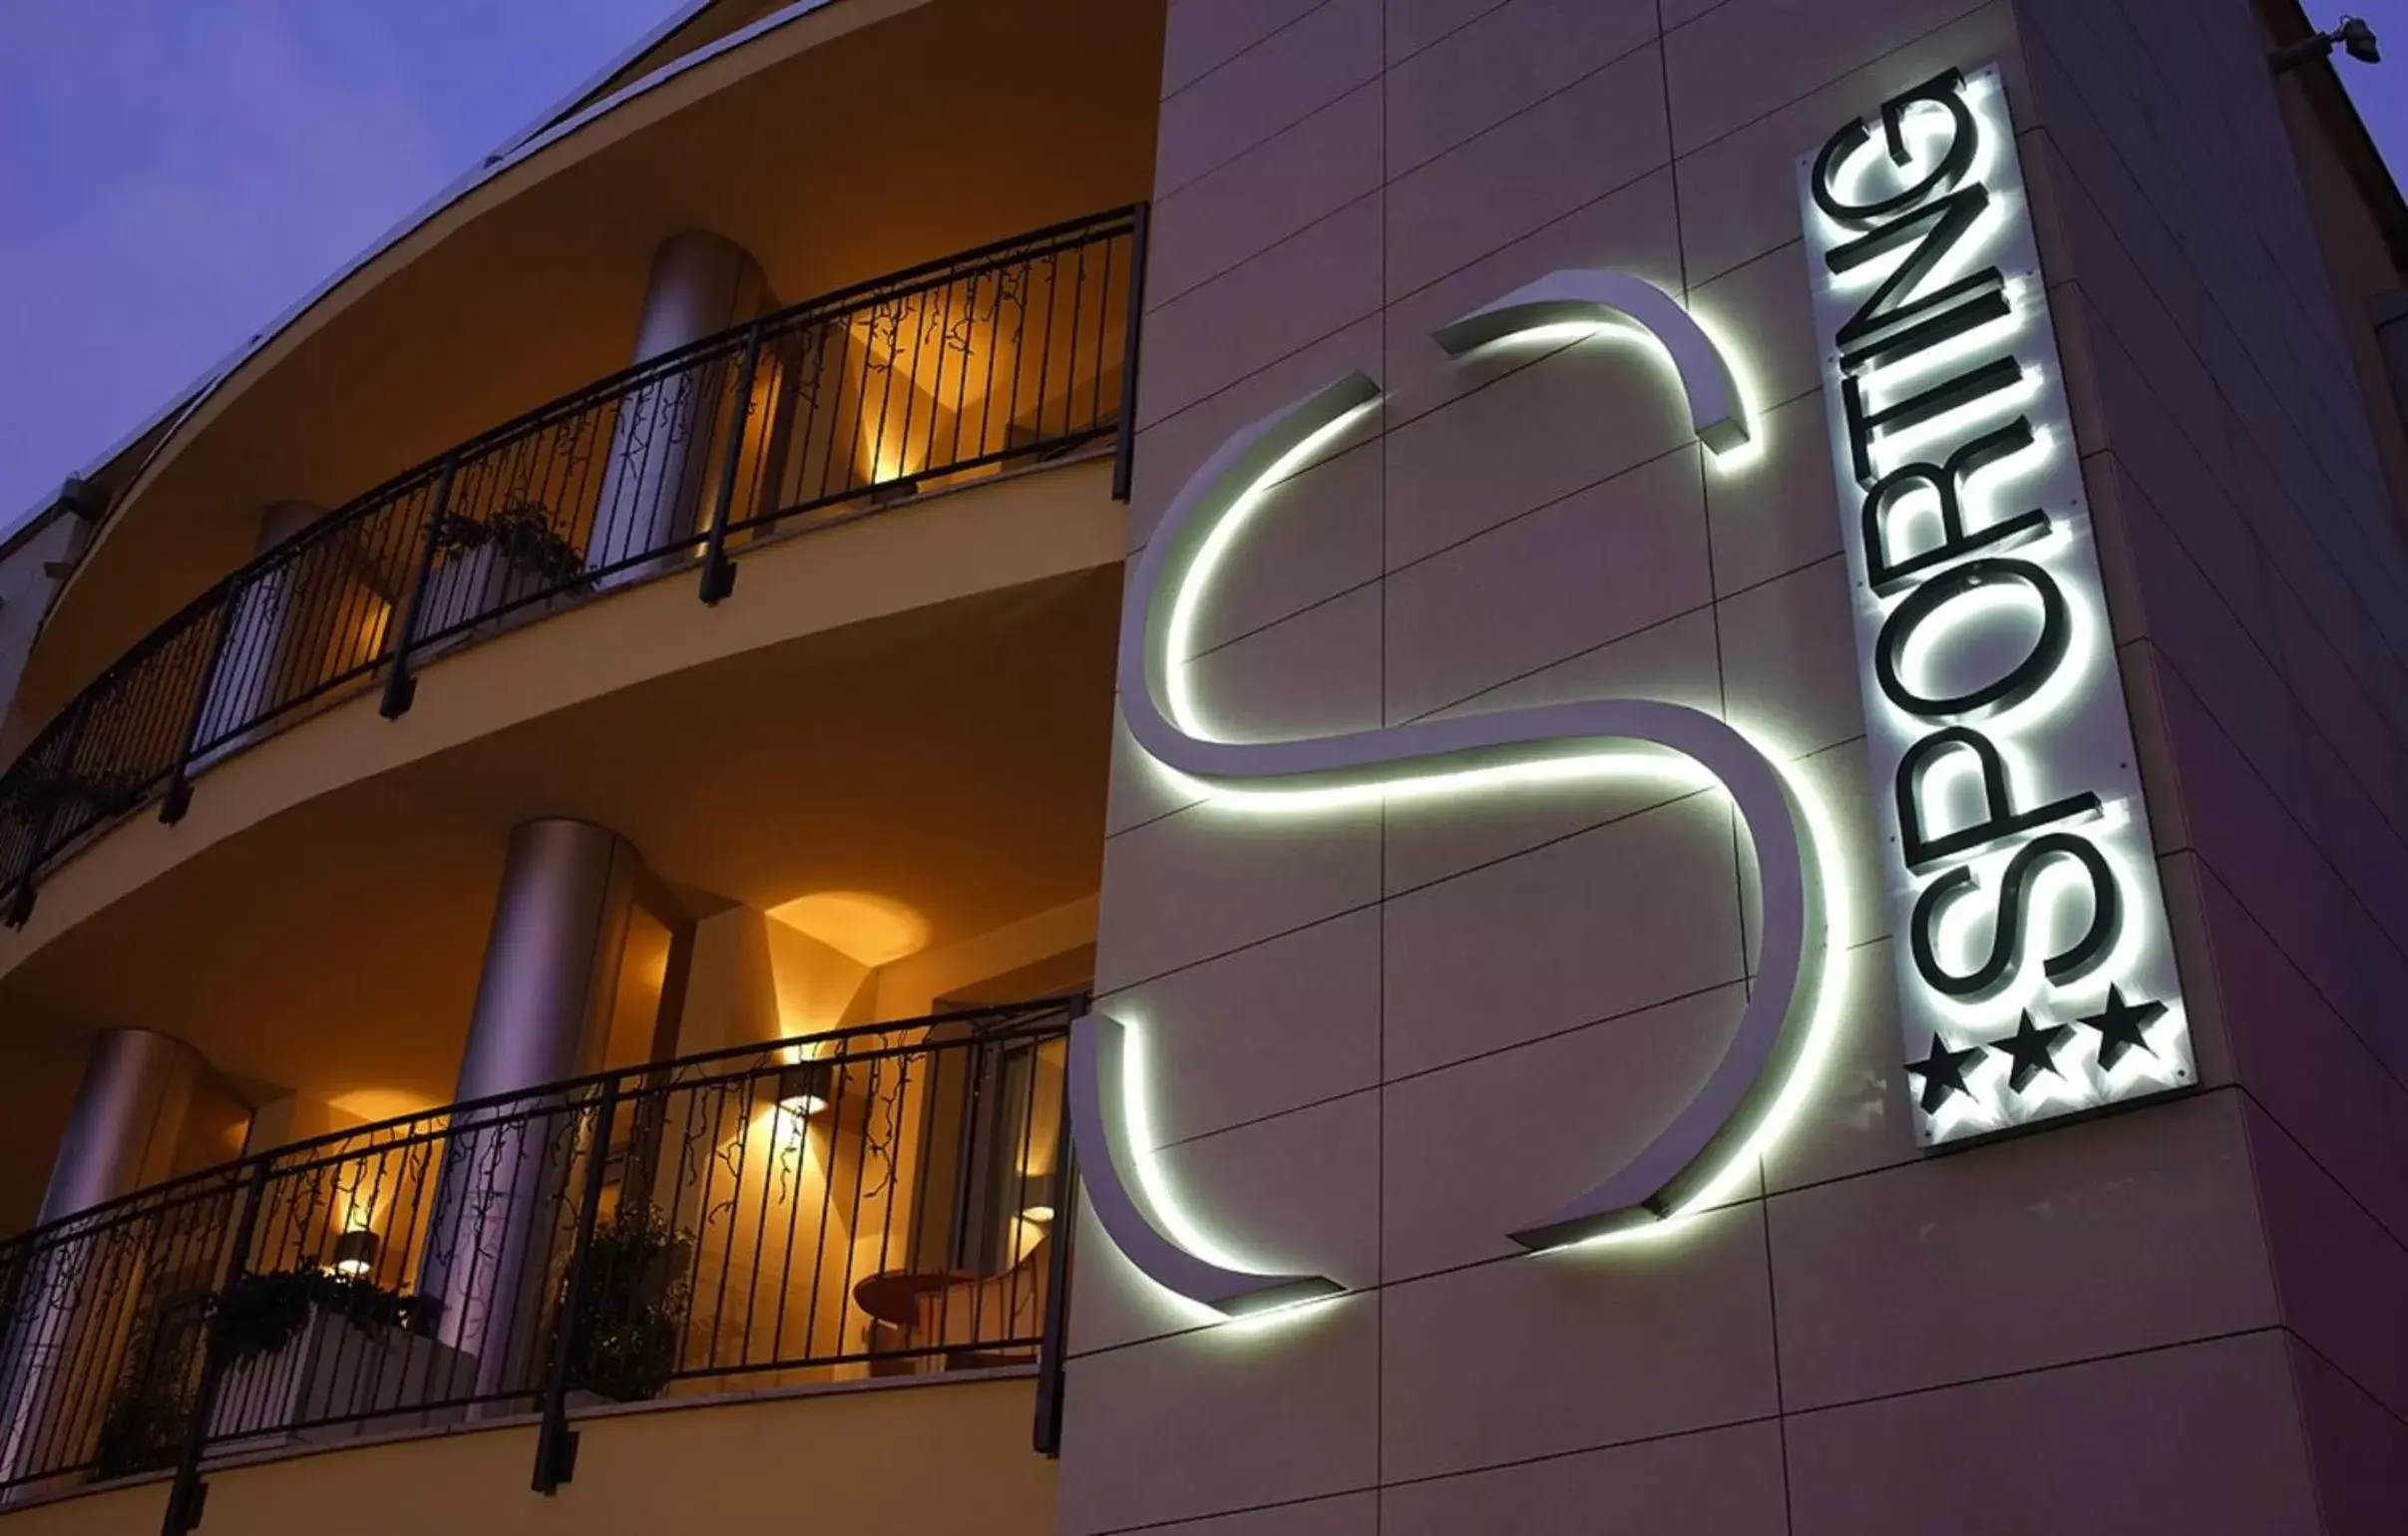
{"type": "Point", "coordinates": [400, 687]}
{"type": "Point", "coordinates": [886, 389]}
{"type": "Point", "coordinates": [188, 1494]}
{"type": "Point", "coordinates": [1078, 301]}
{"type": "Point", "coordinates": [840, 1079]}
{"type": "Point", "coordinates": [719, 577]}
{"type": "Point", "coordinates": [876, 1069]}
{"type": "Point", "coordinates": [794, 1207]}
{"type": "Point", "coordinates": [938, 396]}
{"type": "Point", "coordinates": [85, 1347]}
{"type": "Point", "coordinates": [760, 1233]}
{"type": "Point", "coordinates": [777, 432]}
{"type": "Point", "coordinates": [1103, 337]}
{"type": "Point", "coordinates": [178, 798]}
{"type": "Point", "coordinates": [970, 342]}
{"type": "Point", "coordinates": [1053, 1344]}
{"type": "Point", "coordinates": [995, 351]}
{"type": "Point", "coordinates": [21, 898]}
{"type": "Point", "coordinates": [554, 1444]}
{"type": "Point", "coordinates": [1125, 447]}
{"type": "Point", "coordinates": [911, 392]}
{"type": "Point", "coordinates": [709, 1164]}
{"type": "Point", "coordinates": [1015, 1218]}
{"type": "Point", "coordinates": [978, 1100]}
{"type": "Point", "coordinates": [1044, 351]}
{"type": "Point", "coordinates": [745, 1110]}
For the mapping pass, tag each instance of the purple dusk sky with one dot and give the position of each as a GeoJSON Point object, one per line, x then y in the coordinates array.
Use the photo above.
{"type": "Point", "coordinates": [175, 174]}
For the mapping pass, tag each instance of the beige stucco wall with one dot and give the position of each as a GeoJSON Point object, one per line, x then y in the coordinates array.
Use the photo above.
{"type": "Point", "coordinates": [881, 1462]}
{"type": "Point", "coordinates": [1383, 1035]}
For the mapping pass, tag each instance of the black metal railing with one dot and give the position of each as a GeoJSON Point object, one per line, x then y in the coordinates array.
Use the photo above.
{"type": "Point", "coordinates": [1009, 355]}
{"type": "Point", "coordinates": [893, 1199]}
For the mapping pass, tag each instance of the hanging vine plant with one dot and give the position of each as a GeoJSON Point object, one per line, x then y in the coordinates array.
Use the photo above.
{"type": "Point", "coordinates": [261, 1314]}
{"type": "Point", "coordinates": [630, 1314]}
{"type": "Point", "coordinates": [144, 1429]}
{"type": "Point", "coordinates": [520, 531]}
{"type": "Point", "coordinates": [40, 789]}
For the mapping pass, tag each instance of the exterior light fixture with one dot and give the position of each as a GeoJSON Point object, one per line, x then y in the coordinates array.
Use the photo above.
{"type": "Point", "coordinates": [806, 1088]}
{"type": "Point", "coordinates": [1752, 1093]}
{"type": "Point", "coordinates": [1040, 1196]}
{"type": "Point", "coordinates": [354, 1253]}
{"type": "Point", "coordinates": [2354, 35]}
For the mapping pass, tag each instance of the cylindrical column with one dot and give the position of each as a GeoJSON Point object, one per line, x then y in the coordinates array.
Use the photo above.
{"type": "Point", "coordinates": [653, 490]}
{"type": "Point", "coordinates": [127, 1116]}
{"type": "Point", "coordinates": [541, 1015]}
{"type": "Point", "coordinates": [68, 1336]}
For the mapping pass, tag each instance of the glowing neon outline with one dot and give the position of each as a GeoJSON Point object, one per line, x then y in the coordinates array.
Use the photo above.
{"type": "Point", "coordinates": [1753, 1091]}
{"type": "Point", "coordinates": [2085, 676]}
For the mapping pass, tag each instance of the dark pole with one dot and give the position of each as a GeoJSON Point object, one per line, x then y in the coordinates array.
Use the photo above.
{"type": "Point", "coordinates": [1047, 1433]}
{"type": "Point", "coordinates": [188, 1493]}
{"type": "Point", "coordinates": [1124, 454]}
{"type": "Point", "coordinates": [556, 1442]}
{"type": "Point", "coordinates": [718, 577]}
{"type": "Point", "coordinates": [178, 798]}
{"type": "Point", "coordinates": [400, 686]}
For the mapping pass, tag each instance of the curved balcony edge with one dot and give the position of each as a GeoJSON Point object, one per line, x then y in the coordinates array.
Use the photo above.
{"type": "Point", "coordinates": [1000, 357]}
{"type": "Point", "coordinates": [821, 1210]}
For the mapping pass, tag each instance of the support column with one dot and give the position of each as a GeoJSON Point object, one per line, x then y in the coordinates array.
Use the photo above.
{"type": "Point", "coordinates": [504, 1204]}
{"type": "Point", "coordinates": [68, 1333]}
{"type": "Point", "coordinates": [128, 1119]}
{"type": "Point", "coordinates": [659, 466]}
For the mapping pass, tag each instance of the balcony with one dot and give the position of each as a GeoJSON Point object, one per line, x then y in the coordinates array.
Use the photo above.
{"type": "Point", "coordinates": [878, 1203]}
{"type": "Point", "coordinates": [991, 361]}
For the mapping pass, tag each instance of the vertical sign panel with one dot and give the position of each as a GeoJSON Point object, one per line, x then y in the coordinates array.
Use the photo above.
{"type": "Point", "coordinates": [2034, 968]}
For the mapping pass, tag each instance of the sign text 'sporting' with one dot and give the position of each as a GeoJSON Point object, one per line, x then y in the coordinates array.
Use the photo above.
{"type": "Point", "coordinates": [2036, 978]}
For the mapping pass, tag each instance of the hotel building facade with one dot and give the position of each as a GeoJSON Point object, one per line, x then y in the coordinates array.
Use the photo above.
{"type": "Point", "coordinates": [1253, 768]}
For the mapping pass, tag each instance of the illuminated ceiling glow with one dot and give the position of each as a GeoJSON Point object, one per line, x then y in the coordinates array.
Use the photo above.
{"type": "Point", "coordinates": [1753, 1091]}
{"type": "Point", "coordinates": [864, 928]}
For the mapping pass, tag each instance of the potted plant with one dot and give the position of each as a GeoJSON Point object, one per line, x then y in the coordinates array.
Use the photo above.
{"type": "Point", "coordinates": [485, 563]}
{"type": "Point", "coordinates": [623, 1324]}
{"type": "Point", "coordinates": [144, 1430]}
{"type": "Point", "coordinates": [261, 1314]}
{"type": "Point", "coordinates": [151, 1409]}
{"type": "Point", "coordinates": [303, 1345]}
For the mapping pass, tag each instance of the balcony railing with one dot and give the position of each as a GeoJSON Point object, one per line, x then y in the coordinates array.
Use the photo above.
{"type": "Point", "coordinates": [880, 1200]}
{"type": "Point", "coordinates": [1009, 355]}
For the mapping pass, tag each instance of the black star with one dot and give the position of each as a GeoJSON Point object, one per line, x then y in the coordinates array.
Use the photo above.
{"type": "Point", "coordinates": [2034, 1049]}
{"type": "Point", "coordinates": [1943, 1073]}
{"type": "Point", "coordinates": [2121, 1027]}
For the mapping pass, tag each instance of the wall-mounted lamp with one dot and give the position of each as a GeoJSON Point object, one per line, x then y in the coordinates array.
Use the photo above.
{"type": "Point", "coordinates": [806, 1088]}
{"type": "Point", "coordinates": [1040, 1195]}
{"type": "Point", "coordinates": [2354, 35]}
{"type": "Point", "coordinates": [354, 1253]}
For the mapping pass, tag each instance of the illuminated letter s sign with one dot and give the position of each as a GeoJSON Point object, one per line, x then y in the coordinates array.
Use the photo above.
{"type": "Point", "coordinates": [1751, 1091]}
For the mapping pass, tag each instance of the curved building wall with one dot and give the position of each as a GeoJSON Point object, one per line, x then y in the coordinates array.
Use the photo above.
{"type": "Point", "coordinates": [1378, 1034]}
{"type": "Point", "coordinates": [793, 142]}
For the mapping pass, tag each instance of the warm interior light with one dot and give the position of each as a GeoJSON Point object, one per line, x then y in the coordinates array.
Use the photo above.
{"type": "Point", "coordinates": [354, 1253]}
{"type": "Point", "coordinates": [805, 1088]}
{"type": "Point", "coordinates": [374, 1104]}
{"type": "Point", "coordinates": [867, 929]}
{"type": "Point", "coordinates": [1040, 1194]}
